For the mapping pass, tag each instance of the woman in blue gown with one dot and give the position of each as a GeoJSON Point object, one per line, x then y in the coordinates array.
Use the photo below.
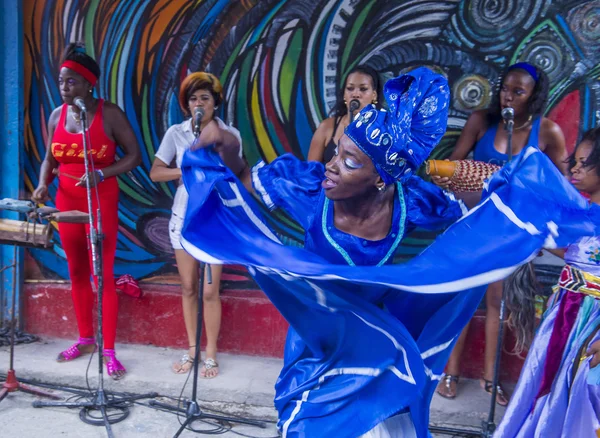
{"type": "Point", "coordinates": [358, 208]}
{"type": "Point", "coordinates": [361, 357]}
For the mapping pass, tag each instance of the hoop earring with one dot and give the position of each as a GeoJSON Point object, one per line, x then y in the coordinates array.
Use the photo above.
{"type": "Point", "coordinates": [375, 101]}
{"type": "Point", "coordinates": [216, 107]}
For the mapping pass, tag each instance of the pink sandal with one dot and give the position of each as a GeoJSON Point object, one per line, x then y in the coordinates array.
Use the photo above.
{"type": "Point", "coordinates": [113, 366]}
{"type": "Point", "coordinates": [73, 351]}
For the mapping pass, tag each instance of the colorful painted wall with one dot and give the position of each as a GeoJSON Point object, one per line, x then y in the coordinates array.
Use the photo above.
{"type": "Point", "coordinates": [281, 63]}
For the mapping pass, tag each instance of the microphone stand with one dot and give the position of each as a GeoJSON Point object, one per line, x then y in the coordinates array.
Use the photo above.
{"type": "Point", "coordinates": [99, 400]}
{"type": "Point", "coordinates": [11, 383]}
{"type": "Point", "coordinates": [509, 132]}
{"type": "Point", "coordinates": [489, 425]}
{"type": "Point", "coordinates": [193, 412]}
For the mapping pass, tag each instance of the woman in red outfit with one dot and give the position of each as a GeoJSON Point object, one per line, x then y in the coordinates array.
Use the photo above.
{"type": "Point", "coordinates": [108, 127]}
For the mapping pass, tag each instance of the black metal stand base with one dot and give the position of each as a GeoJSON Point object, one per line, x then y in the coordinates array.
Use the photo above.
{"type": "Point", "coordinates": [194, 413]}
{"type": "Point", "coordinates": [487, 430]}
{"type": "Point", "coordinates": [101, 409]}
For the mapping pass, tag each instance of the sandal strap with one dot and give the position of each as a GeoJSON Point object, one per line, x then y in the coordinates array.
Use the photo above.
{"type": "Point", "coordinates": [489, 385]}
{"type": "Point", "coordinates": [73, 351]}
{"type": "Point", "coordinates": [448, 378]}
{"type": "Point", "coordinates": [185, 359]}
{"type": "Point", "coordinates": [112, 364]}
{"type": "Point", "coordinates": [210, 363]}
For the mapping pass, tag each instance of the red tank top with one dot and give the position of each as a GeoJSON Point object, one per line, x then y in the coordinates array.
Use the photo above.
{"type": "Point", "coordinates": [67, 148]}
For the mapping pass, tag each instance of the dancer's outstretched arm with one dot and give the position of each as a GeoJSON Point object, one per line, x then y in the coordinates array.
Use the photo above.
{"type": "Point", "coordinates": [227, 146]}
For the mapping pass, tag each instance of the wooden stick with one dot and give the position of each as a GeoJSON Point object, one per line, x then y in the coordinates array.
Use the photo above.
{"type": "Point", "coordinates": [73, 217]}
{"type": "Point", "coordinates": [25, 233]}
{"type": "Point", "coordinates": [21, 227]}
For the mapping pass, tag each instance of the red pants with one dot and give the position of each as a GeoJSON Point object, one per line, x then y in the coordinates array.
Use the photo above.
{"type": "Point", "coordinates": [74, 238]}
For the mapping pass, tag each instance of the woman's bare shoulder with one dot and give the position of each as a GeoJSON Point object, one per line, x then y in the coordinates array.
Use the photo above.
{"type": "Point", "coordinates": [328, 123]}
{"type": "Point", "coordinates": [550, 127]}
{"type": "Point", "coordinates": [54, 117]}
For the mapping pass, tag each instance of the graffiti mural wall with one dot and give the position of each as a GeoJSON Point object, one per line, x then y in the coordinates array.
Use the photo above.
{"type": "Point", "coordinates": [281, 63]}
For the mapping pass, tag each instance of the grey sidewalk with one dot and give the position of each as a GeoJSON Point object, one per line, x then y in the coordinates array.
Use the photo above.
{"type": "Point", "coordinates": [244, 387]}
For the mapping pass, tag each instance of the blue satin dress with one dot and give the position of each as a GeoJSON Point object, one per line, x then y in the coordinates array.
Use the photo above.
{"type": "Point", "coordinates": [295, 186]}
{"type": "Point", "coordinates": [369, 342]}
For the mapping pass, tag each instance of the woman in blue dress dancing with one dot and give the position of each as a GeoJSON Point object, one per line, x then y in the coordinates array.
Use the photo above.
{"type": "Point", "coordinates": [358, 208]}
{"type": "Point", "coordinates": [362, 356]}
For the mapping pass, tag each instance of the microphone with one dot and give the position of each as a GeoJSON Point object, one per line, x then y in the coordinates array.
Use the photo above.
{"type": "Point", "coordinates": [198, 114]}
{"type": "Point", "coordinates": [80, 103]}
{"type": "Point", "coordinates": [354, 105]}
{"type": "Point", "coordinates": [508, 114]}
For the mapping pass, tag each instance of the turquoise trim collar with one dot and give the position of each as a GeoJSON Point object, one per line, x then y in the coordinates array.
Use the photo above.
{"type": "Point", "coordinates": [392, 250]}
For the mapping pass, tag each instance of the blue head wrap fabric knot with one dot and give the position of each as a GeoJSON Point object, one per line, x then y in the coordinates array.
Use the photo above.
{"type": "Point", "coordinates": [399, 140]}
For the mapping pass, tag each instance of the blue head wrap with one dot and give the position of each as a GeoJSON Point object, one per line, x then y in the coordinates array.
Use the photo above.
{"type": "Point", "coordinates": [527, 67]}
{"type": "Point", "coordinates": [398, 141]}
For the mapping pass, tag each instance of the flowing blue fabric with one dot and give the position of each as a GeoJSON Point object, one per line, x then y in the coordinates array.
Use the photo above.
{"type": "Point", "coordinates": [368, 342]}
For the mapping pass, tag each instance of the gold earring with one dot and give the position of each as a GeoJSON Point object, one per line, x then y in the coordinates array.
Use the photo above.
{"type": "Point", "coordinates": [374, 101]}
